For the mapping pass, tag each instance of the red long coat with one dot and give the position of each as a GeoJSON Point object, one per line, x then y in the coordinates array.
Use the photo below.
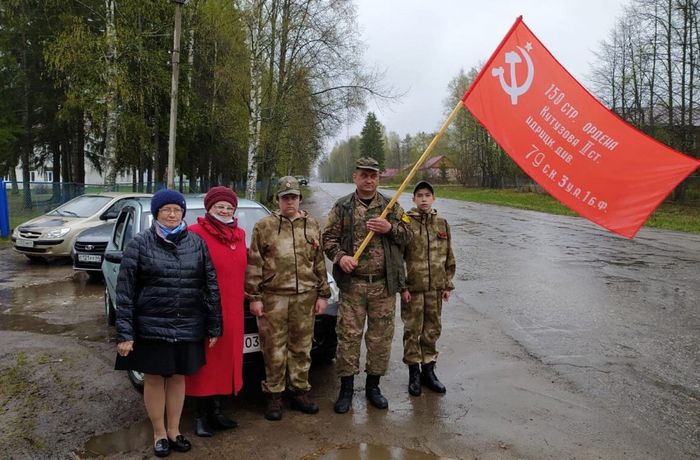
{"type": "Point", "coordinates": [223, 373]}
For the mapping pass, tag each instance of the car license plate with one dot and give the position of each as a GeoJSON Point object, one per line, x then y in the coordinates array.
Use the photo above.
{"type": "Point", "coordinates": [22, 243]}
{"type": "Point", "coordinates": [251, 343]}
{"type": "Point", "coordinates": [89, 258]}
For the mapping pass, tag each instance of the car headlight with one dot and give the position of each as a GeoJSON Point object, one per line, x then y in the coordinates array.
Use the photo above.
{"type": "Point", "coordinates": [56, 233]}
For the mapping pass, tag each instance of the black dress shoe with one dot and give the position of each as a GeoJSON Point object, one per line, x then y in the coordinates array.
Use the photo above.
{"type": "Point", "coordinates": [161, 448]}
{"type": "Point", "coordinates": [180, 444]}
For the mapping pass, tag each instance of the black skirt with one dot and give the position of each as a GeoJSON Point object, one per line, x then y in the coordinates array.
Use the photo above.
{"type": "Point", "coordinates": [159, 357]}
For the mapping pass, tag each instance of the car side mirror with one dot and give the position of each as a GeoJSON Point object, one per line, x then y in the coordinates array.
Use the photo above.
{"type": "Point", "coordinates": [109, 214]}
{"type": "Point", "coordinates": [114, 256]}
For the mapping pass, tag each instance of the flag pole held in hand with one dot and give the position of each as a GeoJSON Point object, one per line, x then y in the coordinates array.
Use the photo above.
{"type": "Point", "coordinates": [413, 172]}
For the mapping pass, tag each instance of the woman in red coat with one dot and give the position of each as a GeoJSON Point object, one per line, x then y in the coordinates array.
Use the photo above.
{"type": "Point", "coordinates": [222, 374]}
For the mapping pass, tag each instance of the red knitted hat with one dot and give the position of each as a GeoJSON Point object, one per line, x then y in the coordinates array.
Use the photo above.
{"type": "Point", "coordinates": [220, 193]}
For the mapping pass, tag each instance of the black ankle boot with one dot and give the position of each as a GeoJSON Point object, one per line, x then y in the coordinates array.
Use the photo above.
{"type": "Point", "coordinates": [217, 419]}
{"type": "Point", "coordinates": [374, 394]}
{"type": "Point", "coordinates": [430, 380]}
{"type": "Point", "coordinates": [414, 380]}
{"type": "Point", "coordinates": [274, 407]}
{"type": "Point", "coordinates": [301, 401]}
{"type": "Point", "coordinates": [342, 405]}
{"type": "Point", "coordinates": [201, 420]}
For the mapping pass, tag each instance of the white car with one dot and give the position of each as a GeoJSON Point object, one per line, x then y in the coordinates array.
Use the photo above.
{"type": "Point", "coordinates": [53, 234]}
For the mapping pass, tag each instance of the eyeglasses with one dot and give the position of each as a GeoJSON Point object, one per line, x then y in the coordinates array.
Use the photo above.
{"type": "Point", "coordinates": [171, 210]}
{"type": "Point", "coordinates": [222, 208]}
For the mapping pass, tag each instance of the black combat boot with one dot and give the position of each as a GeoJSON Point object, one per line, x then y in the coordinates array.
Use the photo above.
{"type": "Point", "coordinates": [274, 406]}
{"type": "Point", "coordinates": [430, 380]}
{"type": "Point", "coordinates": [414, 387]}
{"type": "Point", "coordinates": [342, 405]}
{"type": "Point", "coordinates": [374, 394]}
{"type": "Point", "coordinates": [201, 420]}
{"type": "Point", "coordinates": [217, 419]}
{"type": "Point", "coordinates": [302, 402]}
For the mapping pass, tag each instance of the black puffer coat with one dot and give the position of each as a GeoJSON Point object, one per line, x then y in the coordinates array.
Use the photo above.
{"type": "Point", "coordinates": [167, 290]}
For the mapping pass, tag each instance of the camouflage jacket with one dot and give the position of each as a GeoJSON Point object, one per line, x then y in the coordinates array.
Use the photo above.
{"type": "Point", "coordinates": [345, 231]}
{"type": "Point", "coordinates": [430, 262]}
{"type": "Point", "coordinates": [285, 257]}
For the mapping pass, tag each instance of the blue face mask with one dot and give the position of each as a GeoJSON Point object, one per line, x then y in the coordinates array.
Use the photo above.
{"type": "Point", "coordinates": [171, 231]}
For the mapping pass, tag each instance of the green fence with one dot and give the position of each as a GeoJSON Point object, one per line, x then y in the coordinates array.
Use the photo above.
{"type": "Point", "coordinates": [41, 197]}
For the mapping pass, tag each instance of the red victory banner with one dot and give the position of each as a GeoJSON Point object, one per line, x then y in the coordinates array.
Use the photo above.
{"type": "Point", "coordinates": [565, 139]}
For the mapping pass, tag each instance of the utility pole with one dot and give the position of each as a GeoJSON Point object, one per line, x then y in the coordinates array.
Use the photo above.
{"type": "Point", "coordinates": [174, 92]}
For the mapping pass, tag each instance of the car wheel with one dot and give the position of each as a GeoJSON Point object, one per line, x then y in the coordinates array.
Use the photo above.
{"type": "Point", "coordinates": [95, 277]}
{"type": "Point", "coordinates": [110, 312]}
{"type": "Point", "coordinates": [136, 379]}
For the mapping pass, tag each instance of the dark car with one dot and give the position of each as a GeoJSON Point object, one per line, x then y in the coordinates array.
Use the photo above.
{"type": "Point", "coordinates": [302, 180]}
{"type": "Point", "coordinates": [89, 249]}
{"type": "Point", "coordinates": [136, 216]}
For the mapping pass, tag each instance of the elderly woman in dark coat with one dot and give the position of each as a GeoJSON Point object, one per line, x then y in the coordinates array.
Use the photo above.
{"type": "Point", "coordinates": [167, 303]}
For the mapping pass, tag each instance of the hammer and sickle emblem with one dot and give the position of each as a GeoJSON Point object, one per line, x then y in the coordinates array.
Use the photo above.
{"type": "Point", "coordinates": [513, 58]}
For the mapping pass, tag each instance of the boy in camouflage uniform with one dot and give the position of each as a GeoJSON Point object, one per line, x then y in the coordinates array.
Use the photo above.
{"type": "Point", "coordinates": [368, 287]}
{"type": "Point", "coordinates": [430, 266]}
{"type": "Point", "coordinates": [287, 282]}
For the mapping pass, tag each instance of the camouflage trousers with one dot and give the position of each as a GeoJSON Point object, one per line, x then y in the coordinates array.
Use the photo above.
{"type": "Point", "coordinates": [421, 326]}
{"type": "Point", "coordinates": [286, 332]}
{"type": "Point", "coordinates": [370, 302]}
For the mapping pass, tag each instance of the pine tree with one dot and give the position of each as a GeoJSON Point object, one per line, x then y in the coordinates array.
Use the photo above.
{"type": "Point", "coordinates": [372, 140]}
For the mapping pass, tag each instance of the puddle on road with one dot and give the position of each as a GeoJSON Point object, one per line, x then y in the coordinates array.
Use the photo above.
{"type": "Point", "coordinates": [131, 439]}
{"type": "Point", "coordinates": [72, 308]}
{"type": "Point", "coordinates": [92, 330]}
{"type": "Point", "coordinates": [376, 452]}
{"type": "Point", "coordinates": [134, 438]}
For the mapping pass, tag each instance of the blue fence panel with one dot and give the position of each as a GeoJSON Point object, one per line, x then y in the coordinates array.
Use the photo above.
{"type": "Point", "coordinates": [4, 212]}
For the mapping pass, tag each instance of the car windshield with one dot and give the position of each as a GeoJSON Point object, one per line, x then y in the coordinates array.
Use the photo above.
{"type": "Point", "coordinates": [190, 217]}
{"type": "Point", "coordinates": [82, 206]}
{"type": "Point", "coordinates": [247, 217]}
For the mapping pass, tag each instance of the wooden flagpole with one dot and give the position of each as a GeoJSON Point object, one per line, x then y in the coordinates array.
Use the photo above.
{"type": "Point", "coordinates": [413, 172]}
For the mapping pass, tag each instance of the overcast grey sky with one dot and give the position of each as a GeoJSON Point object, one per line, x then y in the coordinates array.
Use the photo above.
{"type": "Point", "coordinates": [422, 44]}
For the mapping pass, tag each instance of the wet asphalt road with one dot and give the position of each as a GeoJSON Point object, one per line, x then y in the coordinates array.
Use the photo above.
{"type": "Point", "coordinates": [618, 318]}
{"type": "Point", "coordinates": [561, 341]}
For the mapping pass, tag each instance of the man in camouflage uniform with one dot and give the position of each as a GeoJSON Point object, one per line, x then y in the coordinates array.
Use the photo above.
{"type": "Point", "coordinates": [368, 287]}
{"type": "Point", "coordinates": [430, 266]}
{"type": "Point", "coordinates": [287, 282]}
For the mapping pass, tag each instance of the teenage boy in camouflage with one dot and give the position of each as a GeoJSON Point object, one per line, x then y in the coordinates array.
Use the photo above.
{"type": "Point", "coordinates": [287, 282]}
{"type": "Point", "coordinates": [430, 266]}
{"type": "Point", "coordinates": [368, 286]}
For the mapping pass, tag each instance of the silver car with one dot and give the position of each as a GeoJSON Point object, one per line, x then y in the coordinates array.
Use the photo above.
{"type": "Point", "coordinates": [53, 234]}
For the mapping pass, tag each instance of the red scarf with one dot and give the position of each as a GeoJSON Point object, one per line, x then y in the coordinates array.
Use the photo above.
{"type": "Point", "coordinates": [226, 233]}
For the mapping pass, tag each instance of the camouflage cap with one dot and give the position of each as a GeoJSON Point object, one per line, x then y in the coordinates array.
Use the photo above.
{"type": "Point", "coordinates": [367, 163]}
{"type": "Point", "coordinates": [424, 184]}
{"type": "Point", "coordinates": [288, 185]}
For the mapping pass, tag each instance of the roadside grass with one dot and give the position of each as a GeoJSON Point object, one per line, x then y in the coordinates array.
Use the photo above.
{"type": "Point", "coordinates": [19, 215]}
{"type": "Point", "coordinates": [668, 216]}
{"type": "Point", "coordinates": [18, 404]}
